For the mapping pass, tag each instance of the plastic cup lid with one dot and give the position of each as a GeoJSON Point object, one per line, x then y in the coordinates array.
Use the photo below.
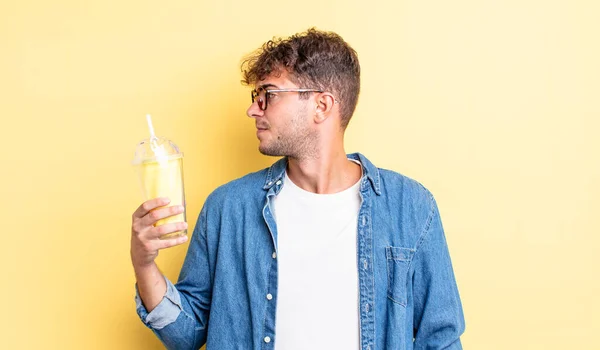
{"type": "Point", "coordinates": [155, 149]}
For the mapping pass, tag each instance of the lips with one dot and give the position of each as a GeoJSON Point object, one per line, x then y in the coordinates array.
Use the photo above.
{"type": "Point", "coordinates": [262, 127]}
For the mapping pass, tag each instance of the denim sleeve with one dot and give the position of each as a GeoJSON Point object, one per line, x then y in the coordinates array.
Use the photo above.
{"type": "Point", "coordinates": [164, 313]}
{"type": "Point", "coordinates": [438, 315]}
{"type": "Point", "coordinates": [180, 320]}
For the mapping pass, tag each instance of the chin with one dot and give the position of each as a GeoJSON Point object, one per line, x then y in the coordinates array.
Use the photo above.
{"type": "Point", "coordinates": [266, 152]}
{"type": "Point", "coordinates": [269, 152]}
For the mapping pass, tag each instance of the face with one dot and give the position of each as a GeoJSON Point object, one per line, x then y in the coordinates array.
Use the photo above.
{"type": "Point", "coordinates": [285, 128]}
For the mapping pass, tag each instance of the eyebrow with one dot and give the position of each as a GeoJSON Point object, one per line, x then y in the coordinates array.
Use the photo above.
{"type": "Point", "coordinates": [265, 86]}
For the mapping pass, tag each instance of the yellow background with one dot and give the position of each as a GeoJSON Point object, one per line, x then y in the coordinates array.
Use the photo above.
{"type": "Point", "coordinates": [492, 105]}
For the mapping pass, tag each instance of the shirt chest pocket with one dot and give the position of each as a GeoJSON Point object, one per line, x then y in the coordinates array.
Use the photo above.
{"type": "Point", "coordinates": [398, 262]}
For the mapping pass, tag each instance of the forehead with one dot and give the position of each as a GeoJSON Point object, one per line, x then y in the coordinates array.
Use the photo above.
{"type": "Point", "coordinates": [277, 79]}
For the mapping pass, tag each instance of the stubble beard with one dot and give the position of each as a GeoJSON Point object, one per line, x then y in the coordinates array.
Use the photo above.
{"type": "Point", "coordinates": [296, 141]}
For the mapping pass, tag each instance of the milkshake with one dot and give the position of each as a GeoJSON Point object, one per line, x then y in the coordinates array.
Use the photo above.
{"type": "Point", "coordinates": [159, 165]}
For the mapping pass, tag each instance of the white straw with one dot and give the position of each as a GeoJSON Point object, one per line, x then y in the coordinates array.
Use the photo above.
{"type": "Point", "coordinates": [149, 120]}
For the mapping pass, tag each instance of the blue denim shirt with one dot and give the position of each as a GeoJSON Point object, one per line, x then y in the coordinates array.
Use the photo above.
{"type": "Point", "coordinates": [408, 297]}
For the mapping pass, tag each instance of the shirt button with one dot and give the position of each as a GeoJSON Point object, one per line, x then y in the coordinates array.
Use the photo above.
{"type": "Point", "coordinates": [367, 307]}
{"type": "Point", "coordinates": [269, 296]}
{"type": "Point", "coordinates": [278, 182]}
{"type": "Point", "coordinates": [270, 183]}
{"type": "Point", "coordinates": [365, 264]}
{"type": "Point", "coordinates": [368, 347]}
{"type": "Point", "coordinates": [267, 339]}
{"type": "Point", "coordinates": [274, 255]}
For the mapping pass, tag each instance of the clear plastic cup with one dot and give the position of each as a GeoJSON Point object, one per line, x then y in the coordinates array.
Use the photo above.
{"type": "Point", "coordinates": [159, 165]}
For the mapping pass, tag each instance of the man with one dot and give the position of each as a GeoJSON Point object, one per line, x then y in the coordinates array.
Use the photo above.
{"type": "Point", "coordinates": [322, 250]}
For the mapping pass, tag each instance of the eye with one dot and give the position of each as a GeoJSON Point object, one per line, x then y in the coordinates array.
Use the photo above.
{"type": "Point", "coordinates": [271, 95]}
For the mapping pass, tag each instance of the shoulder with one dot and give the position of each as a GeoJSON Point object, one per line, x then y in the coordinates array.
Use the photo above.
{"type": "Point", "coordinates": [238, 190]}
{"type": "Point", "coordinates": [392, 184]}
{"type": "Point", "coordinates": [413, 203]}
{"type": "Point", "coordinates": [396, 184]}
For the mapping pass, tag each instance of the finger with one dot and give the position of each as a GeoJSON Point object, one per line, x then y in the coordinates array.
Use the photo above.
{"type": "Point", "coordinates": [171, 242]}
{"type": "Point", "coordinates": [148, 205]}
{"type": "Point", "coordinates": [161, 213]}
{"type": "Point", "coordinates": [158, 231]}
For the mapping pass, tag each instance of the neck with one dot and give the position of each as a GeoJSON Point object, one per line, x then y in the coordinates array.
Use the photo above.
{"type": "Point", "coordinates": [328, 171]}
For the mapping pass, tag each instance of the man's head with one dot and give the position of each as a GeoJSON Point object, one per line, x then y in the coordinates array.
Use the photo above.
{"type": "Point", "coordinates": [315, 60]}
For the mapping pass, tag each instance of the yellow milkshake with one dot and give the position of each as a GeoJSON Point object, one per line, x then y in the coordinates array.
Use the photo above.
{"type": "Point", "coordinates": [164, 179]}
{"type": "Point", "coordinates": [159, 165]}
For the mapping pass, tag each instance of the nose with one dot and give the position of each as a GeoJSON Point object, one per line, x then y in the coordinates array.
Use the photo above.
{"type": "Point", "coordinates": [254, 111]}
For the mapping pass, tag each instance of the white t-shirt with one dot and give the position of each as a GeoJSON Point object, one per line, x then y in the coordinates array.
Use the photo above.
{"type": "Point", "coordinates": [317, 294]}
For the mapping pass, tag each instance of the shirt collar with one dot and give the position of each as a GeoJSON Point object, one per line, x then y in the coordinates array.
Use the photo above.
{"type": "Point", "coordinates": [277, 171]}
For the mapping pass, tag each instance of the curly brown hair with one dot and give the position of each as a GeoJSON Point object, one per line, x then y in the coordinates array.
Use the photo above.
{"type": "Point", "coordinates": [314, 59]}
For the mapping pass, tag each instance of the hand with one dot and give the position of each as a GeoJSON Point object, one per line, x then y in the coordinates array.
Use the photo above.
{"type": "Point", "coordinates": [145, 238]}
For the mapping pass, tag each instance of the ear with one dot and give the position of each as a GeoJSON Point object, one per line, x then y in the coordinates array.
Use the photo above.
{"type": "Point", "coordinates": [325, 105]}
